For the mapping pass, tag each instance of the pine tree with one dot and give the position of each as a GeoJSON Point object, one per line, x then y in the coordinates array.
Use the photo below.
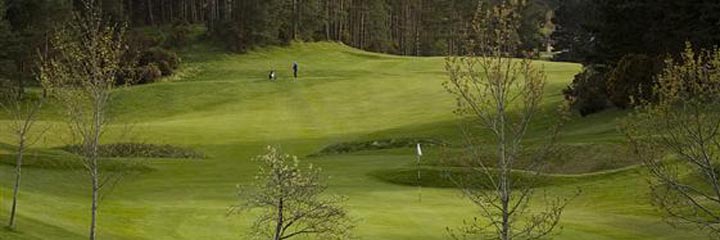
{"type": "Point", "coordinates": [377, 26]}
{"type": "Point", "coordinates": [32, 22]}
{"type": "Point", "coordinates": [7, 50]}
{"type": "Point", "coordinates": [310, 18]}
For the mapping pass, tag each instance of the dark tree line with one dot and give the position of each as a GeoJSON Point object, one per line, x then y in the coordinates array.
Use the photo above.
{"type": "Point", "coordinates": [25, 27]}
{"type": "Point", "coordinates": [623, 43]}
{"type": "Point", "coordinates": [409, 27]}
{"type": "Point", "coordinates": [604, 31]}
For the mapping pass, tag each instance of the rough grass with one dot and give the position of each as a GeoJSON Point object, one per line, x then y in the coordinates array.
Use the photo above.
{"type": "Point", "coordinates": [380, 144]}
{"type": "Point", "coordinates": [564, 158]}
{"type": "Point", "coordinates": [139, 150]}
{"type": "Point", "coordinates": [222, 105]}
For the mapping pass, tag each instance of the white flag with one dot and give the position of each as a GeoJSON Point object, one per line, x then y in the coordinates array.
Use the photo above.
{"type": "Point", "coordinates": [419, 150]}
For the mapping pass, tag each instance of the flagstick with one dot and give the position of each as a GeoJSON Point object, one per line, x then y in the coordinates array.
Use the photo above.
{"type": "Point", "coordinates": [417, 166]}
{"type": "Point", "coordinates": [418, 180]}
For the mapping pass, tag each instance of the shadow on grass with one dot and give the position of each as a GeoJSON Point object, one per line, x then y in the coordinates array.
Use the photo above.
{"type": "Point", "coordinates": [448, 177]}
{"type": "Point", "coordinates": [579, 158]}
{"type": "Point", "coordinates": [115, 157]}
{"type": "Point", "coordinates": [57, 159]}
{"type": "Point", "coordinates": [27, 227]}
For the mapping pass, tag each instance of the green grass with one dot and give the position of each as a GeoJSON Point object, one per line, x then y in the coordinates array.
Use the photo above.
{"type": "Point", "coordinates": [222, 105]}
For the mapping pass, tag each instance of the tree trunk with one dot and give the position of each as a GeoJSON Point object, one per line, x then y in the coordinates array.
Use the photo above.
{"type": "Point", "coordinates": [417, 32]}
{"type": "Point", "coordinates": [94, 205]}
{"type": "Point", "coordinates": [228, 9]}
{"type": "Point", "coordinates": [296, 18]}
{"type": "Point", "coordinates": [504, 174]}
{"type": "Point", "coordinates": [210, 15]}
{"type": "Point", "coordinates": [18, 175]}
{"type": "Point", "coordinates": [151, 19]}
{"type": "Point", "coordinates": [217, 10]}
{"type": "Point", "coordinates": [20, 80]}
{"type": "Point", "coordinates": [341, 22]}
{"type": "Point", "coordinates": [362, 27]}
{"type": "Point", "coordinates": [327, 20]}
{"type": "Point", "coordinates": [163, 12]}
{"type": "Point", "coordinates": [193, 11]}
{"type": "Point", "coordinates": [280, 222]}
{"type": "Point", "coordinates": [95, 184]}
{"type": "Point", "coordinates": [95, 178]}
{"type": "Point", "coordinates": [94, 155]}
{"type": "Point", "coordinates": [130, 11]}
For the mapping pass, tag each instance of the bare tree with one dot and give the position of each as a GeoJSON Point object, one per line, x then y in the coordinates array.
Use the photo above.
{"type": "Point", "coordinates": [677, 136]}
{"type": "Point", "coordinates": [501, 96]}
{"type": "Point", "coordinates": [291, 199]}
{"type": "Point", "coordinates": [81, 77]}
{"type": "Point", "coordinates": [23, 114]}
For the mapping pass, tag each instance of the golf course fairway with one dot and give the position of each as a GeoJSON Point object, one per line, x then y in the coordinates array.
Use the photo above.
{"type": "Point", "coordinates": [224, 106]}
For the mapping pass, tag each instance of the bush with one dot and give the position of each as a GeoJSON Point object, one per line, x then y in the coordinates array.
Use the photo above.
{"type": "Point", "coordinates": [165, 68]}
{"type": "Point", "coordinates": [165, 60]}
{"type": "Point", "coordinates": [156, 55]}
{"type": "Point", "coordinates": [146, 61]}
{"type": "Point", "coordinates": [127, 76]}
{"type": "Point", "coordinates": [588, 91]}
{"type": "Point", "coordinates": [147, 74]}
{"type": "Point", "coordinates": [632, 79]}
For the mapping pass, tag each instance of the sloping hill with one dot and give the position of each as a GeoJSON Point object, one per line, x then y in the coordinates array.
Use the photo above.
{"type": "Point", "coordinates": [223, 105]}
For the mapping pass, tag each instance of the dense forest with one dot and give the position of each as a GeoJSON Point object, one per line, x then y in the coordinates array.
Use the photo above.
{"type": "Point", "coordinates": [623, 44]}
{"type": "Point", "coordinates": [409, 27]}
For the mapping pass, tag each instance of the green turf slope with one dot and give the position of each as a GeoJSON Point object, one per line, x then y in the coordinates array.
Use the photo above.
{"type": "Point", "coordinates": [223, 105]}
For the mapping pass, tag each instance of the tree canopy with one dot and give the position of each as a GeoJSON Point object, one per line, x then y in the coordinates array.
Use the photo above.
{"type": "Point", "coordinates": [626, 40]}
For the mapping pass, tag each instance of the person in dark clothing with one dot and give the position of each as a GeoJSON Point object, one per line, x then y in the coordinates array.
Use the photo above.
{"type": "Point", "coordinates": [271, 76]}
{"type": "Point", "coordinates": [295, 69]}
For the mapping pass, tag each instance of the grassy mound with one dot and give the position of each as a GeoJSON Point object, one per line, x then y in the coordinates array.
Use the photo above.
{"type": "Point", "coordinates": [140, 150]}
{"type": "Point", "coordinates": [455, 177]}
{"type": "Point", "coordinates": [437, 177]}
{"type": "Point", "coordinates": [567, 159]}
{"type": "Point", "coordinates": [392, 143]}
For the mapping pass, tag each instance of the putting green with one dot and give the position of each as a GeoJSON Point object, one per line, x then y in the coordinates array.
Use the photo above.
{"type": "Point", "coordinates": [222, 104]}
